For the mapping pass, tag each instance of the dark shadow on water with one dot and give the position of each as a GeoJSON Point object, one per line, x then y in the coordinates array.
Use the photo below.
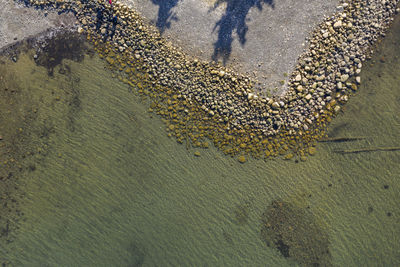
{"type": "Point", "coordinates": [233, 19]}
{"type": "Point", "coordinates": [165, 14]}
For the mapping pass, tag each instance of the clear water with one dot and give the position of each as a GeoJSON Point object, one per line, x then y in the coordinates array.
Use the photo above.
{"type": "Point", "coordinates": [105, 186]}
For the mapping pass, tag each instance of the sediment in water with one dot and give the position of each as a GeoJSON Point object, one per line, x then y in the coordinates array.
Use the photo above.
{"type": "Point", "coordinates": [202, 101]}
{"type": "Point", "coordinates": [25, 127]}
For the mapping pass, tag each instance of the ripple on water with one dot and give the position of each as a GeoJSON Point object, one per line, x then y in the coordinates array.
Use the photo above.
{"type": "Point", "coordinates": [99, 182]}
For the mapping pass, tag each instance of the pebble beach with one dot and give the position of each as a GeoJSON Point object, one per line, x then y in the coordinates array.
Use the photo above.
{"type": "Point", "coordinates": [202, 101]}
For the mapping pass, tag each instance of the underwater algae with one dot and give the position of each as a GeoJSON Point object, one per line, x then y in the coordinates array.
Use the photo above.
{"type": "Point", "coordinates": [293, 231]}
{"type": "Point", "coordinates": [56, 99]}
{"type": "Point", "coordinates": [25, 127]}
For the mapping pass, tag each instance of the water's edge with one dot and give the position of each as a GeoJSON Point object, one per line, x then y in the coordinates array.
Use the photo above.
{"type": "Point", "coordinates": [95, 181]}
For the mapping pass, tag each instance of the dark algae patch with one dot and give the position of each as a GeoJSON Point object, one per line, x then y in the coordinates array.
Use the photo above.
{"type": "Point", "coordinates": [294, 232]}
{"type": "Point", "coordinates": [61, 46]}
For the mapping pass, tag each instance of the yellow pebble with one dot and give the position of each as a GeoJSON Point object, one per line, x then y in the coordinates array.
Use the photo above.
{"type": "Point", "coordinates": [312, 150]}
{"type": "Point", "coordinates": [289, 156]}
{"type": "Point", "coordinates": [242, 159]}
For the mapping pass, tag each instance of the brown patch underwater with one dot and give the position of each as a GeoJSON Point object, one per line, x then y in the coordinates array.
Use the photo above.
{"type": "Point", "coordinates": [294, 232]}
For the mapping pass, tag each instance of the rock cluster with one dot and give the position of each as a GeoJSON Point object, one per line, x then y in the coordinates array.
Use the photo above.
{"type": "Point", "coordinates": [329, 71]}
{"type": "Point", "coordinates": [202, 101]}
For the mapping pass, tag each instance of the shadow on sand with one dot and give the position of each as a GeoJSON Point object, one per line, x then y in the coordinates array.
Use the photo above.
{"type": "Point", "coordinates": [165, 14]}
{"type": "Point", "coordinates": [233, 19]}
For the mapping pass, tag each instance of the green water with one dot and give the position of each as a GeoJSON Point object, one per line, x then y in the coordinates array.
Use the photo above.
{"type": "Point", "coordinates": [105, 186]}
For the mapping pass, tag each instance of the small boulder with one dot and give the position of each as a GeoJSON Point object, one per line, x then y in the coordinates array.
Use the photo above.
{"type": "Point", "coordinates": [275, 105]}
{"type": "Point", "coordinates": [344, 78]}
{"type": "Point", "coordinates": [337, 24]}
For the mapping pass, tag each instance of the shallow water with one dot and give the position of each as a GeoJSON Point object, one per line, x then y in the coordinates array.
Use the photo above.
{"type": "Point", "coordinates": [103, 185]}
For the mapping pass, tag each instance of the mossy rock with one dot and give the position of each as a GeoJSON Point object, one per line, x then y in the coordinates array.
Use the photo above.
{"type": "Point", "coordinates": [312, 150]}
{"type": "Point", "coordinates": [289, 156]}
{"type": "Point", "coordinates": [110, 60]}
{"type": "Point", "coordinates": [242, 159]}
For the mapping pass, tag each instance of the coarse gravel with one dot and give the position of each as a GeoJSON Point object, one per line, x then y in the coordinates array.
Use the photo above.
{"type": "Point", "coordinates": [276, 32]}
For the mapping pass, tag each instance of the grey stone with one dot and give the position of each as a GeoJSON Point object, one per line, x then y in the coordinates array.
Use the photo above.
{"type": "Point", "coordinates": [344, 77]}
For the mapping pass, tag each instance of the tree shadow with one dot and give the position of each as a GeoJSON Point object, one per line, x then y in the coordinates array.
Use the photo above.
{"type": "Point", "coordinates": [165, 15]}
{"type": "Point", "coordinates": [233, 19]}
